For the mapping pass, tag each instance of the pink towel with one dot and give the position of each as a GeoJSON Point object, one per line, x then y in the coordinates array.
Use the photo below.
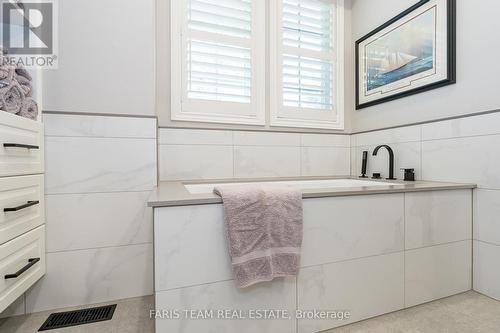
{"type": "Point", "coordinates": [264, 230]}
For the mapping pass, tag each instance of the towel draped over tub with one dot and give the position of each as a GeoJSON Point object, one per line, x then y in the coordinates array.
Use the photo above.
{"type": "Point", "coordinates": [264, 231]}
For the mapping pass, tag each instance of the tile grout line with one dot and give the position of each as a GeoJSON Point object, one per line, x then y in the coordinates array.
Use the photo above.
{"type": "Point", "coordinates": [99, 248]}
{"type": "Point", "coordinates": [404, 252]}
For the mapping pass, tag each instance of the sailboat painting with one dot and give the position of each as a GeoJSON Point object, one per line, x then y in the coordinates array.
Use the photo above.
{"type": "Point", "coordinates": [409, 54]}
{"type": "Point", "coordinates": [403, 52]}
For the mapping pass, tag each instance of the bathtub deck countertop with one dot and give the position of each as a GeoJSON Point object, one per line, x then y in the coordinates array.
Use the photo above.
{"type": "Point", "coordinates": [174, 193]}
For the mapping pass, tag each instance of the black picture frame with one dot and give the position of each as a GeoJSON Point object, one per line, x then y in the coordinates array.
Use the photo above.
{"type": "Point", "coordinates": [451, 55]}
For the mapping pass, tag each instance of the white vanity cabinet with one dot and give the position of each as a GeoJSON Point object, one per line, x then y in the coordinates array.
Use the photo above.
{"type": "Point", "coordinates": [22, 209]}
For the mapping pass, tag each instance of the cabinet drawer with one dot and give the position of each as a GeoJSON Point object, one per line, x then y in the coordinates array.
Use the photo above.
{"type": "Point", "coordinates": [22, 263]}
{"type": "Point", "coordinates": [21, 145]}
{"type": "Point", "coordinates": [22, 206]}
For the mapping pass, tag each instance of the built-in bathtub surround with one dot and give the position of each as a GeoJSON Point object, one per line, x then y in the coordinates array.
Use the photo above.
{"type": "Point", "coordinates": [99, 230]}
{"type": "Point", "coordinates": [222, 154]}
{"type": "Point", "coordinates": [368, 250]}
{"type": "Point", "coordinates": [459, 150]}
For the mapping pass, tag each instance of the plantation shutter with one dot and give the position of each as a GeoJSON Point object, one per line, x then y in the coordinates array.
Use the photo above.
{"type": "Point", "coordinates": [222, 63]}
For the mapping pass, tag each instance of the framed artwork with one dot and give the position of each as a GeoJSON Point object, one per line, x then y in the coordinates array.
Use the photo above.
{"type": "Point", "coordinates": [411, 53]}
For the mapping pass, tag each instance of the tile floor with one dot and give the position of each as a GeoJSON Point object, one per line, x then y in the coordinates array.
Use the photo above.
{"type": "Point", "coordinates": [131, 316]}
{"type": "Point", "coordinates": [469, 312]}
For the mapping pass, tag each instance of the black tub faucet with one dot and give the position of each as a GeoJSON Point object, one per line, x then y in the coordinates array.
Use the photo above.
{"type": "Point", "coordinates": [391, 160]}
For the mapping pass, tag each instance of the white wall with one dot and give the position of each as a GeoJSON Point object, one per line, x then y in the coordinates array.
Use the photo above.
{"type": "Point", "coordinates": [106, 58]}
{"type": "Point", "coordinates": [477, 70]}
{"type": "Point", "coordinates": [462, 150]}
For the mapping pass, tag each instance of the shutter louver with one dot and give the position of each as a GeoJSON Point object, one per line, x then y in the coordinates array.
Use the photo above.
{"type": "Point", "coordinates": [219, 54]}
{"type": "Point", "coordinates": [308, 71]}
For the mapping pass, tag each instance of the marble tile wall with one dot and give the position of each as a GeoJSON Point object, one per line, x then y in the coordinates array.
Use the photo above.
{"type": "Point", "coordinates": [100, 171]}
{"type": "Point", "coordinates": [212, 154]}
{"type": "Point", "coordinates": [459, 150]}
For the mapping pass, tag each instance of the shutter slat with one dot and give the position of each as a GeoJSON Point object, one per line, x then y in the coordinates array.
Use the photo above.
{"type": "Point", "coordinates": [307, 82]}
{"type": "Point", "coordinates": [219, 71]}
{"type": "Point", "coordinates": [308, 24]}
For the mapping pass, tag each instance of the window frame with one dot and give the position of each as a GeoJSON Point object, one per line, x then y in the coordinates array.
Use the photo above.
{"type": "Point", "coordinates": [199, 110]}
{"type": "Point", "coordinates": [284, 116]}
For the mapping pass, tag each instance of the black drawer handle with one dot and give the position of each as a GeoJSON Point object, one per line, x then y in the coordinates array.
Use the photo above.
{"type": "Point", "coordinates": [19, 145]}
{"type": "Point", "coordinates": [26, 205]}
{"type": "Point", "coordinates": [31, 262]}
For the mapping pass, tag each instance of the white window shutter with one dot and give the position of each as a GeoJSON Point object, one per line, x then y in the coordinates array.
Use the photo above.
{"type": "Point", "coordinates": [218, 62]}
{"type": "Point", "coordinates": [307, 63]}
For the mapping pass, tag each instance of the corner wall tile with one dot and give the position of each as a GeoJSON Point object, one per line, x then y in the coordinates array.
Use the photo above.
{"type": "Point", "coordinates": [82, 165]}
{"type": "Point", "coordinates": [469, 126]}
{"type": "Point", "coordinates": [395, 135]}
{"type": "Point", "coordinates": [93, 276]}
{"type": "Point", "coordinates": [437, 217]}
{"type": "Point", "coordinates": [486, 269]}
{"type": "Point", "coordinates": [325, 161]}
{"type": "Point", "coordinates": [254, 162]}
{"type": "Point", "coordinates": [85, 221]}
{"type": "Point", "coordinates": [438, 271]}
{"type": "Point", "coordinates": [195, 162]}
{"type": "Point", "coordinates": [99, 126]}
{"type": "Point", "coordinates": [487, 216]}
{"type": "Point", "coordinates": [464, 160]}
{"type": "Point", "coordinates": [365, 287]}
{"type": "Point", "coordinates": [173, 136]}
{"type": "Point", "coordinates": [266, 139]}
{"type": "Point", "coordinates": [326, 140]}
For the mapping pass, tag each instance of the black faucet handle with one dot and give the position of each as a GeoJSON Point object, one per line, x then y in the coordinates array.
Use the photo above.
{"type": "Point", "coordinates": [409, 174]}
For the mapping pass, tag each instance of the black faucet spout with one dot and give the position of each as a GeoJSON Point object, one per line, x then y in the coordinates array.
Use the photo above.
{"type": "Point", "coordinates": [391, 159]}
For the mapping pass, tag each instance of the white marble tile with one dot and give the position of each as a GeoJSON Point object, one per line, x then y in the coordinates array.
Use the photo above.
{"type": "Point", "coordinates": [343, 228]}
{"type": "Point", "coordinates": [191, 246]}
{"type": "Point", "coordinates": [325, 161]}
{"type": "Point", "coordinates": [365, 287]}
{"type": "Point", "coordinates": [177, 136]}
{"type": "Point", "coordinates": [467, 160]}
{"type": "Point", "coordinates": [355, 170]}
{"type": "Point", "coordinates": [253, 162]}
{"type": "Point", "coordinates": [395, 135]}
{"type": "Point", "coordinates": [469, 126]}
{"type": "Point", "coordinates": [82, 165]}
{"type": "Point", "coordinates": [406, 155]}
{"type": "Point", "coordinates": [99, 126]}
{"type": "Point", "coordinates": [101, 70]}
{"type": "Point", "coordinates": [487, 216]}
{"type": "Point", "coordinates": [486, 269]}
{"type": "Point", "coordinates": [438, 271]}
{"type": "Point", "coordinates": [326, 140]}
{"type": "Point", "coordinates": [276, 295]}
{"type": "Point", "coordinates": [84, 221]}
{"type": "Point", "coordinates": [266, 139]}
{"type": "Point", "coordinates": [93, 276]}
{"type": "Point", "coordinates": [437, 217]}
{"type": "Point", "coordinates": [15, 309]}
{"type": "Point", "coordinates": [179, 162]}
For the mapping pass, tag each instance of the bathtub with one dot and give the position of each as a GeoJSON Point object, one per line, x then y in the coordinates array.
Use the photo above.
{"type": "Point", "coordinates": [369, 248]}
{"type": "Point", "coordinates": [301, 184]}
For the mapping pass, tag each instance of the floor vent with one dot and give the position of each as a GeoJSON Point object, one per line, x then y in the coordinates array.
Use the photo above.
{"type": "Point", "coordinates": [78, 317]}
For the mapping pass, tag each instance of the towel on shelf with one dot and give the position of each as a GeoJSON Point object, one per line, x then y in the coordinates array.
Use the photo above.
{"type": "Point", "coordinates": [29, 109]}
{"type": "Point", "coordinates": [11, 98]}
{"type": "Point", "coordinates": [264, 231]}
{"type": "Point", "coordinates": [16, 90]}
